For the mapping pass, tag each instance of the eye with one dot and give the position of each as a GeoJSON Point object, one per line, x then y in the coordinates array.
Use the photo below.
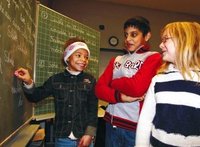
{"type": "Point", "coordinates": [164, 39]}
{"type": "Point", "coordinates": [86, 57]}
{"type": "Point", "coordinates": [78, 55]}
{"type": "Point", "coordinates": [134, 34]}
{"type": "Point", "coordinates": [125, 35]}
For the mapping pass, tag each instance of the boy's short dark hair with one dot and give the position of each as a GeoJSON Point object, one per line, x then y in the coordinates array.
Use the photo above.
{"type": "Point", "coordinates": [140, 23]}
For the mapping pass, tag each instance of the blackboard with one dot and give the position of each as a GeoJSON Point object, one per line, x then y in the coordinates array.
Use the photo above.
{"type": "Point", "coordinates": [52, 31]}
{"type": "Point", "coordinates": [17, 39]}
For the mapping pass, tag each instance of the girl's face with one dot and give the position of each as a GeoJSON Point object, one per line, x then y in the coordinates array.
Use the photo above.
{"type": "Point", "coordinates": [168, 48]}
{"type": "Point", "coordinates": [134, 38]}
{"type": "Point", "coordinates": [78, 61]}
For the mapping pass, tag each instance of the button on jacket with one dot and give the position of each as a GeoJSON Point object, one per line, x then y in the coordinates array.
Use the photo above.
{"type": "Point", "coordinates": [75, 102]}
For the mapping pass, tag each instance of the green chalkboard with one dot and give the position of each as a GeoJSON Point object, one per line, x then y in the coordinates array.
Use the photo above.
{"type": "Point", "coordinates": [53, 30]}
{"type": "Point", "coordinates": [17, 39]}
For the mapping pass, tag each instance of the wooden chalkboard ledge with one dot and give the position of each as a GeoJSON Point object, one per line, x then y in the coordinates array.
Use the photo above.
{"type": "Point", "coordinates": [44, 116]}
{"type": "Point", "coordinates": [24, 136]}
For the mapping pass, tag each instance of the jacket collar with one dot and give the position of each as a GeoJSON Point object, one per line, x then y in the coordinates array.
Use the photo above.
{"type": "Point", "coordinates": [67, 73]}
{"type": "Point", "coordinates": [142, 49]}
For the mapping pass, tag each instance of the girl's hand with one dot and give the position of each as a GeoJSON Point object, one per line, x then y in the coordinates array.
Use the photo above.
{"type": "Point", "coordinates": [23, 74]}
{"type": "Point", "coordinates": [129, 99]}
{"type": "Point", "coordinates": [85, 141]}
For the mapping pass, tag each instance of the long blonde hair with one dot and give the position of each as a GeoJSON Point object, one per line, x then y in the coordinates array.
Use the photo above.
{"type": "Point", "coordinates": [186, 36]}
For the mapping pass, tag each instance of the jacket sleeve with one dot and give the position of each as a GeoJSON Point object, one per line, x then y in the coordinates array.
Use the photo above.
{"type": "Point", "coordinates": [138, 84]}
{"type": "Point", "coordinates": [103, 90]}
{"type": "Point", "coordinates": [36, 94]}
{"type": "Point", "coordinates": [146, 118]}
{"type": "Point", "coordinates": [92, 111]}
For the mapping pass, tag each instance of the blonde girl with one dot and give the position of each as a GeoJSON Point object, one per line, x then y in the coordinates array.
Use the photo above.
{"type": "Point", "coordinates": [171, 111]}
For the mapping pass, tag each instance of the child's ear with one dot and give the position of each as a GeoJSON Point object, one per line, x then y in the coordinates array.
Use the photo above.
{"type": "Point", "coordinates": [148, 36]}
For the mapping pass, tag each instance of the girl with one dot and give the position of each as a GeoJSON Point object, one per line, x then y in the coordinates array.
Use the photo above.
{"type": "Point", "coordinates": [73, 91]}
{"type": "Point", "coordinates": [171, 111]}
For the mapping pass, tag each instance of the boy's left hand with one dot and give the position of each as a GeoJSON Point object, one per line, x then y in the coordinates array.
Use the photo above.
{"type": "Point", "coordinates": [129, 99]}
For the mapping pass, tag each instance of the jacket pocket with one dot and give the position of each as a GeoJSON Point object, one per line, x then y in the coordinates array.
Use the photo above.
{"type": "Point", "coordinates": [61, 91]}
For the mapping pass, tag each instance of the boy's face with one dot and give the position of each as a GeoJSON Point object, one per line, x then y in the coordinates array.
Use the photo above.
{"type": "Point", "coordinates": [78, 61]}
{"type": "Point", "coordinates": [134, 38]}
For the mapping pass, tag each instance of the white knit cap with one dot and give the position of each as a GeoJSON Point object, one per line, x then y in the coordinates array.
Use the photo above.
{"type": "Point", "coordinates": [74, 47]}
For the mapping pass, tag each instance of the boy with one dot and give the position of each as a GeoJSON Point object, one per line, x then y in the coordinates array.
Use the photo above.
{"type": "Point", "coordinates": [125, 81]}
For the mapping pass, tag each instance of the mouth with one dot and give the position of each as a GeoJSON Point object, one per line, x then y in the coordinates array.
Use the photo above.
{"type": "Point", "coordinates": [82, 64]}
{"type": "Point", "coordinates": [129, 45]}
{"type": "Point", "coordinates": [163, 53]}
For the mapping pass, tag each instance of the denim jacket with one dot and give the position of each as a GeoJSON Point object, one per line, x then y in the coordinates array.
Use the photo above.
{"type": "Point", "coordinates": [75, 102]}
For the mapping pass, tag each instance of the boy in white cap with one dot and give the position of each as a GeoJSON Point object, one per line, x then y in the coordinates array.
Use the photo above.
{"type": "Point", "coordinates": [73, 92]}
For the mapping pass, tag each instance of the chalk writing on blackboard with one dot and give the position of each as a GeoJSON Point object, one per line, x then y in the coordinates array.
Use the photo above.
{"type": "Point", "coordinates": [17, 42]}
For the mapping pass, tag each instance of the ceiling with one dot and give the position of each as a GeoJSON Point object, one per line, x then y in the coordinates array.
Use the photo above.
{"type": "Point", "coordinates": [181, 6]}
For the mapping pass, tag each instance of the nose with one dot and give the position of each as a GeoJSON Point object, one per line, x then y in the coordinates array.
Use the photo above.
{"type": "Point", "coordinates": [161, 45]}
{"type": "Point", "coordinates": [128, 37]}
{"type": "Point", "coordinates": [83, 58]}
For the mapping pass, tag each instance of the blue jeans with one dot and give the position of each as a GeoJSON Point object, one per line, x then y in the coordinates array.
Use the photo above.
{"type": "Point", "coordinates": [66, 142]}
{"type": "Point", "coordinates": [118, 137]}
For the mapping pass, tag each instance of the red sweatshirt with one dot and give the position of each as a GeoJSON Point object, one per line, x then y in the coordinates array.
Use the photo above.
{"type": "Point", "coordinates": [130, 74]}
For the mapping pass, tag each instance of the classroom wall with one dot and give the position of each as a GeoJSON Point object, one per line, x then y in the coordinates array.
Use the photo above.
{"type": "Point", "coordinates": [94, 13]}
{"type": "Point", "coordinates": [112, 16]}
